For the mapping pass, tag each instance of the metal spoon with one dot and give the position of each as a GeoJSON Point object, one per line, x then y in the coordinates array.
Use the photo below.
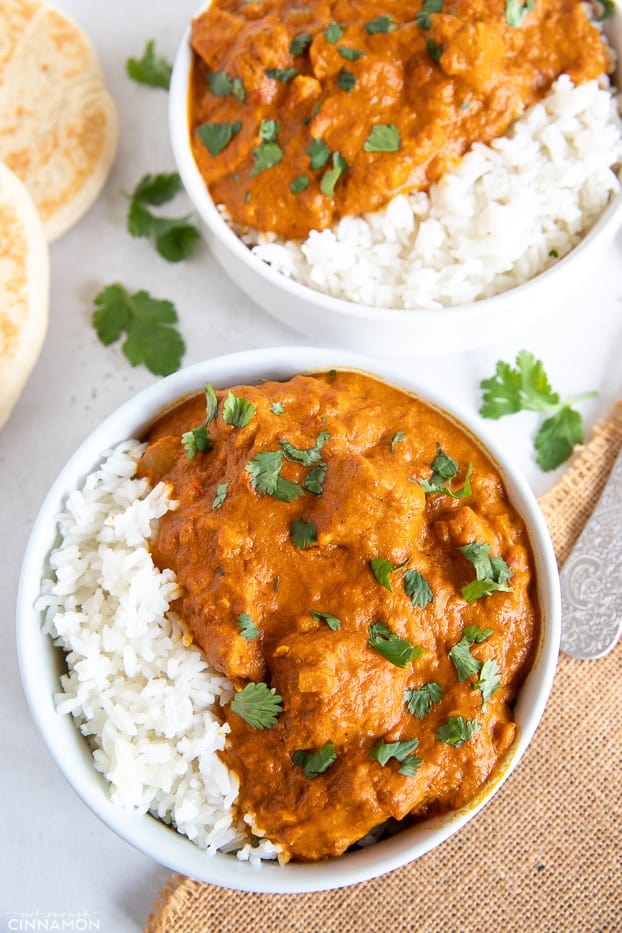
{"type": "Point", "coordinates": [591, 578]}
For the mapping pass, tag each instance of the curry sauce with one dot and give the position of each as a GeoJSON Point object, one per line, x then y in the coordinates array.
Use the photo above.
{"type": "Point", "coordinates": [354, 551]}
{"type": "Point", "coordinates": [301, 114]}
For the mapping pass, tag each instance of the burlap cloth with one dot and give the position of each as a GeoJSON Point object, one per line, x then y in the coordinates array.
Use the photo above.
{"type": "Point", "coordinates": [544, 856]}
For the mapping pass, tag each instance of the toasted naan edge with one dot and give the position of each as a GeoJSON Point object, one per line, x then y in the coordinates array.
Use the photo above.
{"type": "Point", "coordinates": [24, 289]}
{"type": "Point", "coordinates": [58, 123]}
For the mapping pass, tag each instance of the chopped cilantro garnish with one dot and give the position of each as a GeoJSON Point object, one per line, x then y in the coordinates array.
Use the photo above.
{"type": "Point", "coordinates": [265, 471]}
{"type": "Point", "coordinates": [237, 411]}
{"type": "Point", "coordinates": [435, 50]}
{"type": "Point", "coordinates": [174, 237]}
{"type": "Point", "coordinates": [307, 456]}
{"type": "Point", "coordinates": [315, 762]}
{"type": "Point", "coordinates": [299, 184]}
{"type": "Point", "coordinates": [221, 495]}
{"type": "Point", "coordinates": [380, 24]}
{"type": "Point", "coordinates": [332, 621]}
{"type": "Point", "coordinates": [150, 69]}
{"type": "Point", "coordinates": [217, 136]}
{"type": "Point", "coordinates": [298, 45]}
{"type": "Point", "coordinates": [395, 649]}
{"type": "Point", "coordinates": [332, 175]}
{"type": "Point", "coordinates": [457, 730]}
{"type": "Point", "coordinates": [492, 574]}
{"type": "Point", "coordinates": [258, 705]}
{"type": "Point", "coordinates": [314, 480]}
{"type": "Point", "coordinates": [445, 468]}
{"type": "Point", "coordinates": [383, 138]}
{"type": "Point", "coordinates": [349, 54]}
{"type": "Point", "coordinates": [489, 680]}
{"type": "Point", "coordinates": [397, 438]}
{"type": "Point", "coordinates": [319, 154]}
{"type": "Point", "coordinates": [382, 570]}
{"type": "Point", "coordinates": [464, 662]}
{"type": "Point", "coordinates": [221, 85]}
{"type": "Point", "coordinates": [516, 10]}
{"type": "Point", "coordinates": [302, 533]}
{"type": "Point", "coordinates": [148, 323]}
{"type": "Point", "coordinates": [419, 702]}
{"type": "Point", "coordinates": [198, 439]}
{"type": "Point", "coordinates": [248, 629]}
{"type": "Point", "coordinates": [277, 408]}
{"type": "Point", "coordinates": [383, 752]}
{"type": "Point", "coordinates": [417, 588]}
{"type": "Point", "coordinates": [281, 74]}
{"type": "Point", "coordinates": [607, 8]}
{"type": "Point", "coordinates": [333, 32]}
{"type": "Point", "coordinates": [422, 18]}
{"type": "Point", "coordinates": [346, 80]}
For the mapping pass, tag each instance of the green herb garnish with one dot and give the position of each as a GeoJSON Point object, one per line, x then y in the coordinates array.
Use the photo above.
{"type": "Point", "coordinates": [417, 588]}
{"type": "Point", "coordinates": [217, 136]}
{"type": "Point", "coordinates": [148, 322]}
{"type": "Point", "coordinates": [299, 184]}
{"type": "Point", "coordinates": [175, 238]}
{"type": "Point", "coordinates": [383, 752]}
{"type": "Point", "coordinates": [397, 438]}
{"type": "Point", "coordinates": [420, 702]}
{"type": "Point", "coordinates": [332, 175]}
{"type": "Point", "coordinates": [315, 762]}
{"type": "Point", "coordinates": [435, 50]}
{"type": "Point", "coordinates": [380, 24]}
{"type": "Point", "coordinates": [305, 456]}
{"type": "Point", "coordinates": [457, 730]}
{"type": "Point", "coordinates": [221, 494]}
{"type": "Point", "coordinates": [265, 471]}
{"type": "Point", "coordinates": [319, 154]}
{"type": "Point", "coordinates": [221, 85]}
{"type": "Point", "coordinates": [395, 649]}
{"type": "Point", "coordinates": [332, 621]}
{"type": "Point", "coordinates": [248, 629]}
{"type": "Point", "coordinates": [445, 468]}
{"type": "Point", "coordinates": [526, 387]}
{"type": "Point", "coordinates": [489, 680]}
{"type": "Point", "coordinates": [382, 570]}
{"type": "Point", "coordinates": [237, 411]}
{"type": "Point", "coordinates": [302, 533]}
{"type": "Point", "coordinates": [516, 11]}
{"type": "Point", "coordinates": [383, 138]}
{"type": "Point", "coordinates": [492, 574]}
{"type": "Point", "coordinates": [314, 480]}
{"type": "Point", "coordinates": [277, 408]}
{"type": "Point", "coordinates": [258, 705]}
{"type": "Point", "coordinates": [281, 74]}
{"type": "Point", "coordinates": [464, 662]}
{"type": "Point", "coordinates": [333, 32]}
{"type": "Point", "coordinates": [150, 69]}
{"type": "Point", "coordinates": [422, 18]}
{"type": "Point", "coordinates": [349, 54]}
{"type": "Point", "coordinates": [607, 7]}
{"type": "Point", "coordinates": [346, 80]}
{"type": "Point", "coordinates": [298, 45]}
{"type": "Point", "coordinates": [198, 439]}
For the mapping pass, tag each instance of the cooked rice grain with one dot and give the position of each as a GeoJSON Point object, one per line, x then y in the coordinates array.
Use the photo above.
{"type": "Point", "coordinates": [145, 700]}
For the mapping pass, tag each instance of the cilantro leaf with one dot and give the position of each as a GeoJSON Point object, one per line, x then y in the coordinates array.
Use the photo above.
{"type": "Point", "coordinates": [464, 662]}
{"type": "Point", "coordinates": [150, 69]}
{"type": "Point", "coordinates": [445, 468]}
{"type": "Point", "coordinates": [281, 74]}
{"type": "Point", "coordinates": [522, 387]}
{"type": "Point", "coordinates": [397, 438]}
{"type": "Point", "coordinates": [516, 10]}
{"type": "Point", "coordinates": [298, 45]}
{"type": "Point", "coordinates": [314, 480]}
{"type": "Point", "coordinates": [395, 649]}
{"type": "Point", "coordinates": [557, 437]}
{"type": "Point", "coordinates": [422, 18]}
{"type": "Point", "coordinates": [217, 136]}
{"type": "Point", "coordinates": [220, 496]}
{"type": "Point", "coordinates": [383, 138]}
{"type": "Point", "coordinates": [277, 408]}
{"type": "Point", "coordinates": [248, 629]}
{"type": "Point", "coordinates": [489, 680]}
{"type": "Point", "coordinates": [349, 54]}
{"type": "Point", "coordinates": [608, 8]}
{"type": "Point", "coordinates": [307, 456]}
{"type": "Point", "coordinates": [266, 155]}
{"type": "Point", "coordinates": [265, 468]}
{"type": "Point", "coordinates": [332, 175]}
{"type": "Point", "coordinates": [417, 588]}
{"type": "Point", "coordinates": [287, 490]}
{"type": "Point", "coordinates": [382, 570]}
{"type": "Point", "coordinates": [435, 50]}
{"type": "Point", "coordinates": [302, 533]}
{"type": "Point", "coordinates": [175, 238]}
{"type": "Point", "coordinates": [345, 80]}
{"type": "Point", "coordinates": [332, 621]}
{"type": "Point", "coordinates": [221, 85]}
{"type": "Point", "coordinates": [299, 184]}
{"type": "Point", "coordinates": [492, 574]}
{"type": "Point", "coordinates": [198, 439]}
{"type": "Point", "coordinates": [148, 323]}
{"type": "Point", "coordinates": [457, 730]}
{"type": "Point", "coordinates": [383, 752]}
{"type": "Point", "coordinates": [315, 762]}
{"type": "Point", "coordinates": [319, 154]}
{"type": "Point", "coordinates": [380, 24]}
{"type": "Point", "coordinates": [258, 705]}
{"type": "Point", "coordinates": [419, 702]}
{"type": "Point", "coordinates": [237, 411]}
{"type": "Point", "coordinates": [333, 32]}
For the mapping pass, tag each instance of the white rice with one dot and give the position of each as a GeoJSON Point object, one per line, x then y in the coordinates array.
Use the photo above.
{"type": "Point", "coordinates": [146, 700]}
{"type": "Point", "coordinates": [508, 212]}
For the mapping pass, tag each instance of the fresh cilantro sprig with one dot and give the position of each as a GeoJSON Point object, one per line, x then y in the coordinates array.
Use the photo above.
{"type": "Point", "coordinates": [258, 705]}
{"type": "Point", "coordinates": [332, 621]}
{"type": "Point", "coordinates": [419, 702]}
{"type": "Point", "coordinates": [174, 237]}
{"type": "Point", "coordinates": [197, 439]}
{"type": "Point", "coordinates": [464, 662]}
{"type": "Point", "coordinates": [220, 496]}
{"type": "Point", "coordinates": [315, 762]}
{"type": "Point", "coordinates": [382, 570]}
{"type": "Point", "coordinates": [150, 69]}
{"type": "Point", "coordinates": [457, 730]}
{"type": "Point", "coordinates": [445, 468]}
{"type": "Point", "coordinates": [148, 322]}
{"type": "Point", "coordinates": [397, 650]}
{"type": "Point", "coordinates": [526, 387]}
{"type": "Point", "coordinates": [237, 411]}
{"type": "Point", "coordinates": [403, 752]}
{"type": "Point", "coordinates": [248, 629]}
{"type": "Point", "coordinates": [492, 574]}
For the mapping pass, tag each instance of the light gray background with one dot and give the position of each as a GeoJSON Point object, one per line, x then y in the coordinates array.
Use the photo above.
{"type": "Point", "coordinates": [55, 857]}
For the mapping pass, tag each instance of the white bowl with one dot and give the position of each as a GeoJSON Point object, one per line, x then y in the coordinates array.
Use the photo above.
{"type": "Point", "coordinates": [381, 331]}
{"type": "Point", "coordinates": [41, 664]}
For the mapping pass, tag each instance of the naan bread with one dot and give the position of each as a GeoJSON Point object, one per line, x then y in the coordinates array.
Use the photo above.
{"type": "Point", "coordinates": [24, 288]}
{"type": "Point", "coordinates": [58, 123]}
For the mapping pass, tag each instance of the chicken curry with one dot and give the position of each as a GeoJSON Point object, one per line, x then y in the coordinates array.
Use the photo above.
{"type": "Point", "coordinates": [303, 113]}
{"type": "Point", "coordinates": [349, 558]}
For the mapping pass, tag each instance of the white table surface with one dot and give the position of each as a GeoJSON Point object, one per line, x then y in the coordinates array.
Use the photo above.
{"type": "Point", "coordinates": [55, 857]}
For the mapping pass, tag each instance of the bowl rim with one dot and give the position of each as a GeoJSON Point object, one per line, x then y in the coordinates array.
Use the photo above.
{"type": "Point", "coordinates": [469, 314]}
{"type": "Point", "coordinates": [69, 749]}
